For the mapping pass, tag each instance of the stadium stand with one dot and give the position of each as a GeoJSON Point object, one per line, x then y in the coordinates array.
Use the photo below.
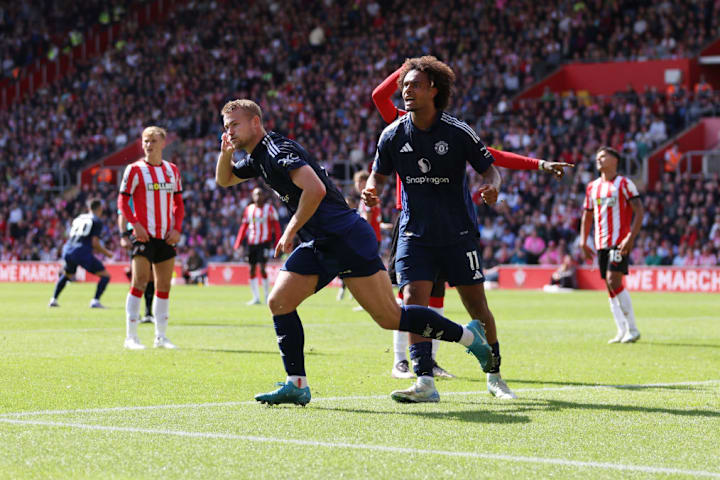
{"type": "Point", "coordinates": [312, 71]}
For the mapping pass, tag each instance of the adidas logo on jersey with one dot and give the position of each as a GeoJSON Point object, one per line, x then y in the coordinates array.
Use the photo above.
{"type": "Point", "coordinates": [406, 148]}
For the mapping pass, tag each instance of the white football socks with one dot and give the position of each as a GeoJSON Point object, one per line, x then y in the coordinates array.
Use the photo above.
{"type": "Point", "coordinates": [618, 315]}
{"type": "Point", "coordinates": [254, 288]}
{"type": "Point", "coordinates": [132, 314]}
{"type": "Point", "coordinates": [298, 380]}
{"type": "Point", "coordinates": [400, 345]}
{"type": "Point", "coordinates": [625, 303]}
{"type": "Point", "coordinates": [161, 307]}
{"type": "Point", "coordinates": [467, 337]}
{"type": "Point", "coordinates": [266, 288]}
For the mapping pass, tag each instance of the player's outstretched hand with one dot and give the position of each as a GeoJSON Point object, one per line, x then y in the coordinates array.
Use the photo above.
{"type": "Point", "coordinates": [140, 233]}
{"type": "Point", "coordinates": [125, 242]}
{"type": "Point", "coordinates": [589, 254]}
{"type": "Point", "coordinates": [370, 197]}
{"type": "Point", "coordinates": [172, 237]}
{"type": "Point", "coordinates": [226, 146]}
{"type": "Point", "coordinates": [557, 168]}
{"type": "Point", "coordinates": [489, 194]}
{"type": "Point", "coordinates": [285, 244]}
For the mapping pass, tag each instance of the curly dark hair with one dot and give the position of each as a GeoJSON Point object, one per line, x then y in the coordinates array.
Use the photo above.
{"type": "Point", "coordinates": [440, 75]}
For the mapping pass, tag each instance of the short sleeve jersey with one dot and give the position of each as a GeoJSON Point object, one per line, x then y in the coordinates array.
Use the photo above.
{"type": "Point", "coordinates": [610, 203]}
{"type": "Point", "coordinates": [83, 228]}
{"type": "Point", "coordinates": [437, 207]}
{"type": "Point", "coordinates": [273, 159]}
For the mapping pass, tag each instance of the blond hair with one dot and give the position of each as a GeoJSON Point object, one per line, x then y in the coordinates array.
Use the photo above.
{"type": "Point", "coordinates": [248, 106]}
{"type": "Point", "coordinates": [153, 130]}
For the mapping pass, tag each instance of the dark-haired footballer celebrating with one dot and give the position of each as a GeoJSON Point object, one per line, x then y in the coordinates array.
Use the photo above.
{"type": "Point", "coordinates": [335, 242]}
{"type": "Point", "coordinates": [382, 98]}
{"type": "Point", "coordinates": [438, 232]}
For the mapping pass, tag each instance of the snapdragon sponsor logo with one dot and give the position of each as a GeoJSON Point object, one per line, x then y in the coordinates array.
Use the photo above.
{"type": "Point", "coordinates": [423, 180]}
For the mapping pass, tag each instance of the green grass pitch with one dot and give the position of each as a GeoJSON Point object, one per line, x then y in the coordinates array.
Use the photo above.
{"type": "Point", "coordinates": [75, 404]}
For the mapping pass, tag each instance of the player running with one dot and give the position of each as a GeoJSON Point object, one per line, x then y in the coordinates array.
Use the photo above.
{"type": "Point", "coordinates": [614, 202]}
{"type": "Point", "coordinates": [335, 242]}
{"type": "Point", "coordinates": [78, 251]}
{"type": "Point", "coordinates": [382, 98]}
{"type": "Point", "coordinates": [261, 224]}
{"type": "Point", "coordinates": [155, 187]}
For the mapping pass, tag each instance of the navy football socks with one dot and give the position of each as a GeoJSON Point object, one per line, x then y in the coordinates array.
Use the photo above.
{"type": "Point", "coordinates": [102, 283]}
{"type": "Point", "coordinates": [62, 281]}
{"type": "Point", "coordinates": [425, 322]}
{"type": "Point", "coordinates": [496, 353]}
{"type": "Point", "coordinates": [291, 340]}
{"type": "Point", "coordinates": [421, 356]}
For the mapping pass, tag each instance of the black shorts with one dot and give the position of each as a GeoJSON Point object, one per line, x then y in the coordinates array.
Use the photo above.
{"type": "Point", "coordinates": [155, 250]}
{"type": "Point", "coordinates": [438, 289]}
{"type": "Point", "coordinates": [611, 259]}
{"type": "Point", "coordinates": [258, 253]}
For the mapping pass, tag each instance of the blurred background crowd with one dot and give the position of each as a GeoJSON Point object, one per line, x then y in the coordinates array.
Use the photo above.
{"type": "Point", "coordinates": [312, 69]}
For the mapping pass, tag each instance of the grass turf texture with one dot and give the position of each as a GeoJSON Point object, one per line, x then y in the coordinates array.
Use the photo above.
{"type": "Point", "coordinates": [554, 355]}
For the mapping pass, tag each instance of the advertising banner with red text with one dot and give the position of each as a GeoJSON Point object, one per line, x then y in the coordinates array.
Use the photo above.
{"type": "Point", "coordinates": [641, 278]}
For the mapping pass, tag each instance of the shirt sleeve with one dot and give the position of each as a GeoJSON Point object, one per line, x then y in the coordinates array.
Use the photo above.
{"type": "Point", "coordinates": [629, 190]}
{"type": "Point", "coordinates": [383, 163]}
{"type": "Point", "coordinates": [479, 156]}
{"type": "Point", "coordinates": [289, 159]}
{"type": "Point", "coordinates": [244, 169]}
{"type": "Point", "coordinates": [129, 181]}
{"type": "Point", "coordinates": [588, 201]}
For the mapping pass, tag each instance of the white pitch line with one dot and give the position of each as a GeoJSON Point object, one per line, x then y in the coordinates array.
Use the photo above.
{"type": "Point", "coordinates": [377, 448]}
{"type": "Point", "coordinates": [351, 397]}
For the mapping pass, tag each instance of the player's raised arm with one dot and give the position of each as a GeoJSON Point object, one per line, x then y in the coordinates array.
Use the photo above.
{"type": "Point", "coordinates": [382, 95]}
{"type": "Point", "coordinates": [313, 191]}
{"type": "Point", "coordinates": [514, 161]}
{"type": "Point", "coordinates": [224, 175]}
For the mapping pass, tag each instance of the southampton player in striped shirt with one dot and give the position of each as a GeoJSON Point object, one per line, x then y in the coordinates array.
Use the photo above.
{"type": "Point", "coordinates": [260, 223]}
{"type": "Point", "coordinates": [614, 202]}
{"type": "Point", "coordinates": [382, 97]}
{"type": "Point", "coordinates": [155, 187]}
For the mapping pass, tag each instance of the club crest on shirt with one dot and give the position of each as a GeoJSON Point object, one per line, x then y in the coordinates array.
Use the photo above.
{"type": "Point", "coordinates": [441, 147]}
{"type": "Point", "coordinates": [424, 165]}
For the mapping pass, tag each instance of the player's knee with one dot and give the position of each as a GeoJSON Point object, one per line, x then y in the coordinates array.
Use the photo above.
{"type": "Point", "coordinates": [279, 305]}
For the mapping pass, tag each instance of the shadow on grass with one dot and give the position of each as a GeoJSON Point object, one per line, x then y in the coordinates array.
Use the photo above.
{"type": "Point", "coordinates": [658, 386]}
{"type": "Point", "coordinates": [260, 352]}
{"type": "Point", "coordinates": [474, 416]}
{"type": "Point", "coordinates": [685, 345]}
{"type": "Point", "coordinates": [224, 325]}
{"type": "Point", "coordinates": [557, 405]}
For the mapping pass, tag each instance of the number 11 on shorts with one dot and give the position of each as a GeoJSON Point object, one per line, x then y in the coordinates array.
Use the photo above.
{"type": "Point", "coordinates": [473, 258]}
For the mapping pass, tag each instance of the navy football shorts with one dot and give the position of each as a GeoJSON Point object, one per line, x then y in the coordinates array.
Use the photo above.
{"type": "Point", "coordinates": [459, 263]}
{"type": "Point", "coordinates": [82, 257]}
{"type": "Point", "coordinates": [354, 254]}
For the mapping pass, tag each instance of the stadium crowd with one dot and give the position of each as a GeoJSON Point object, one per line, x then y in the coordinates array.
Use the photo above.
{"type": "Point", "coordinates": [312, 71]}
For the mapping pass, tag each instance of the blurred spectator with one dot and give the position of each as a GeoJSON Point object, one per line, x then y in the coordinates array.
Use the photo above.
{"type": "Point", "coordinates": [195, 268]}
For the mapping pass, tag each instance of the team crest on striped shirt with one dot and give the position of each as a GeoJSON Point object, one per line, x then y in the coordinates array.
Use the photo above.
{"type": "Point", "coordinates": [441, 147]}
